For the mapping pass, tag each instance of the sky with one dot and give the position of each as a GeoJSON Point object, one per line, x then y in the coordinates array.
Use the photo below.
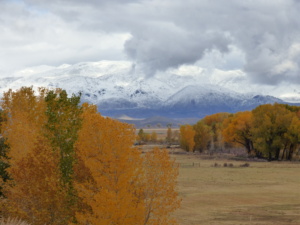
{"type": "Point", "coordinates": [261, 38]}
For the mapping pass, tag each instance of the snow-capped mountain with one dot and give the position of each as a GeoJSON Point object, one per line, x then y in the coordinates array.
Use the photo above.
{"type": "Point", "coordinates": [121, 88]}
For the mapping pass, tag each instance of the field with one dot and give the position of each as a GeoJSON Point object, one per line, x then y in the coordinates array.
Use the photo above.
{"type": "Point", "coordinates": [265, 193]}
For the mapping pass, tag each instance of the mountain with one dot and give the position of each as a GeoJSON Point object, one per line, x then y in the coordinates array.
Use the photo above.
{"type": "Point", "coordinates": [120, 88]}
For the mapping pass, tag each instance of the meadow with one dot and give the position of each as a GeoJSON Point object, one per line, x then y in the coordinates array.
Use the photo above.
{"type": "Point", "coordinates": [264, 193]}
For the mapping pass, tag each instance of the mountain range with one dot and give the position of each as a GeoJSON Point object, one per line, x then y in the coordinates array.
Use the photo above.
{"type": "Point", "coordinates": [121, 90]}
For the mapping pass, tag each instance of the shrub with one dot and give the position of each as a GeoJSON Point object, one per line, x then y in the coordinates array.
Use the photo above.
{"type": "Point", "coordinates": [225, 164]}
{"type": "Point", "coordinates": [216, 165]}
{"type": "Point", "coordinates": [245, 165]}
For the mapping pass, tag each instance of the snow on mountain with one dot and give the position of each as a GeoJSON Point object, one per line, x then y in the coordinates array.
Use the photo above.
{"type": "Point", "coordinates": [118, 87]}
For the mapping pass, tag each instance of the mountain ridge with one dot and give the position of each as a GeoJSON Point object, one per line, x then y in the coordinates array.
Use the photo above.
{"type": "Point", "coordinates": [120, 88]}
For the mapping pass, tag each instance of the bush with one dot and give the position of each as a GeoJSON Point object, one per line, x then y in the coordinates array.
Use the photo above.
{"type": "Point", "coordinates": [230, 165]}
{"type": "Point", "coordinates": [225, 164]}
{"type": "Point", "coordinates": [245, 165]}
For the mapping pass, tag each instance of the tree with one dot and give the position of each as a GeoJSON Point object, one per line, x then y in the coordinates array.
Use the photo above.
{"type": "Point", "coordinates": [114, 194]}
{"type": "Point", "coordinates": [123, 187]}
{"type": "Point", "coordinates": [270, 125]}
{"type": "Point", "coordinates": [63, 123]}
{"type": "Point", "coordinates": [215, 122]}
{"type": "Point", "coordinates": [237, 130]}
{"type": "Point", "coordinates": [169, 135]}
{"type": "Point", "coordinates": [62, 126]}
{"type": "Point", "coordinates": [187, 135]}
{"type": "Point", "coordinates": [36, 122]}
{"type": "Point", "coordinates": [161, 197]}
{"type": "Point", "coordinates": [24, 115]}
{"type": "Point", "coordinates": [35, 194]}
{"type": "Point", "coordinates": [77, 164]}
{"type": "Point", "coordinates": [141, 135]}
{"type": "Point", "coordinates": [203, 135]}
{"type": "Point", "coordinates": [4, 165]}
{"type": "Point", "coordinates": [153, 136]}
{"type": "Point", "coordinates": [291, 138]}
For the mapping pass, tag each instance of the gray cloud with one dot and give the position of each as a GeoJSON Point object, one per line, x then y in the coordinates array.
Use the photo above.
{"type": "Point", "coordinates": [163, 33]}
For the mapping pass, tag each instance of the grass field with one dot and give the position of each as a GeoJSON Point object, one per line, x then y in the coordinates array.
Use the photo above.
{"type": "Point", "coordinates": [263, 194]}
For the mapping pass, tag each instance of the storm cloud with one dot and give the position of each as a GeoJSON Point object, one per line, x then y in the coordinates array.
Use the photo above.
{"type": "Point", "coordinates": [155, 34]}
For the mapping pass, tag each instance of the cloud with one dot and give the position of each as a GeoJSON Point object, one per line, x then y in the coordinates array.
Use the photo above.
{"type": "Point", "coordinates": [260, 37]}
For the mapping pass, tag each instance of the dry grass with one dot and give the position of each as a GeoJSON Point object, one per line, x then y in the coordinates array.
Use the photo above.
{"type": "Point", "coordinates": [263, 194]}
{"type": "Point", "coordinates": [12, 221]}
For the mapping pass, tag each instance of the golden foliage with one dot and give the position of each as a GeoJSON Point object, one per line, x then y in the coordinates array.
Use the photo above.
{"type": "Point", "coordinates": [237, 129]}
{"type": "Point", "coordinates": [187, 135]}
{"type": "Point", "coordinates": [161, 197]}
{"type": "Point", "coordinates": [114, 183]}
{"type": "Point", "coordinates": [35, 194]}
{"type": "Point", "coordinates": [24, 118]}
{"type": "Point", "coordinates": [124, 188]}
{"type": "Point", "coordinates": [104, 145]}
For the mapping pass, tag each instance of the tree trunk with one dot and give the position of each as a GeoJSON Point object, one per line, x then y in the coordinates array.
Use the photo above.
{"type": "Point", "coordinates": [284, 150]}
{"type": "Point", "coordinates": [277, 153]}
{"type": "Point", "coordinates": [291, 151]}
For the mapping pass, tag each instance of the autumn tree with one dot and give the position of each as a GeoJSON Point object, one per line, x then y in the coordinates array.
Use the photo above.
{"type": "Point", "coordinates": [75, 166]}
{"type": "Point", "coordinates": [141, 135]}
{"type": "Point", "coordinates": [270, 126]}
{"type": "Point", "coordinates": [105, 147]}
{"type": "Point", "coordinates": [161, 197]}
{"type": "Point", "coordinates": [153, 136]}
{"type": "Point", "coordinates": [203, 136]}
{"type": "Point", "coordinates": [169, 135]}
{"type": "Point", "coordinates": [35, 194]}
{"type": "Point", "coordinates": [124, 188]}
{"type": "Point", "coordinates": [237, 130]}
{"type": "Point", "coordinates": [187, 135]}
{"type": "Point", "coordinates": [215, 122]}
{"type": "Point", "coordinates": [24, 115]}
{"type": "Point", "coordinates": [29, 130]}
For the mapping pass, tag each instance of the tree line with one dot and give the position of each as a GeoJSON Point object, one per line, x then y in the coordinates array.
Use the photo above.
{"type": "Point", "coordinates": [270, 131]}
{"type": "Point", "coordinates": [144, 137]}
{"type": "Point", "coordinates": [61, 162]}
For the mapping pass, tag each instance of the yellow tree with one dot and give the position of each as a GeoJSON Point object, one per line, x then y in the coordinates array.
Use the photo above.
{"type": "Point", "coordinates": [161, 197]}
{"type": "Point", "coordinates": [153, 136]}
{"type": "Point", "coordinates": [114, 192]}
{"type": "Point", "coordinates": [187, 135]}
{"type": "Point", "coordinates": [24, 114]}
{"type": "Point", "coordinates": [237, 130]}
{"type": "Point", "coordinates": [34, 192]}
{"type": "Point", "coordinates": [215, 122]}
{"type": "Point", "coordinates": [29, 118]}
{"type": "Point", "coordinates": [292, 138]}
{"type": "Point", "coordinates": [203, 135]}
{"type": "Point", "coordinates": [120, 186]}
{"type": "Point", "coordinates": [270, 126]}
